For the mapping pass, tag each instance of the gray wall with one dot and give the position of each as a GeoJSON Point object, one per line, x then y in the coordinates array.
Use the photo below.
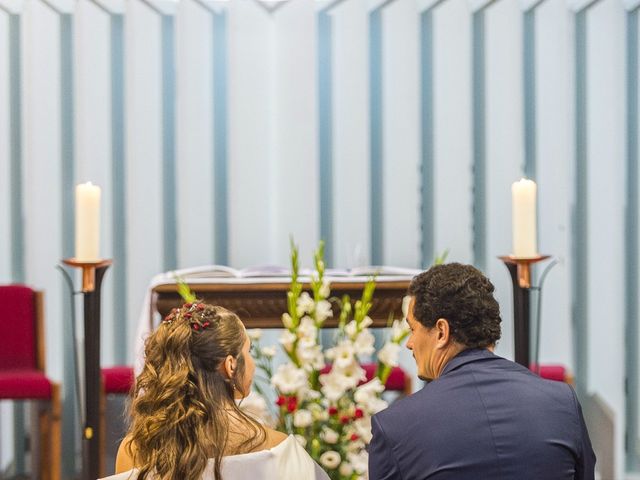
{"type": "Point", "coordinates": [393, 129]}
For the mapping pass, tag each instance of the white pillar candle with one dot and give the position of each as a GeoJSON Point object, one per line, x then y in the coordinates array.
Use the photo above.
{"type": "Point", "coordinates": [523, 195]}
{"type": "Point", "coordinates": [87, 222]}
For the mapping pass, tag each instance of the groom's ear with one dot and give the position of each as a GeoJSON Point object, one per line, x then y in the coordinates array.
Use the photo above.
{"type": "Point", "coordinates": [443, 332]}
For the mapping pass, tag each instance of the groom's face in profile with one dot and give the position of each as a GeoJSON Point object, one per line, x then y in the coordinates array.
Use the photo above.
{"type": "Point", "coordinates": [422, 342]}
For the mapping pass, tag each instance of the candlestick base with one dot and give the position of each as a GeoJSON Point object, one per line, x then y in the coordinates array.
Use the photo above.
{"type": "Point", "coordinates": [524, 267]}
{"type": "Point", "coordinates": [88, 271]}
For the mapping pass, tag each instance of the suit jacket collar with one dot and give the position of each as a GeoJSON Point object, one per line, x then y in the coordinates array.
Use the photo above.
{"type": "Point", "coordinates": [467, 356]}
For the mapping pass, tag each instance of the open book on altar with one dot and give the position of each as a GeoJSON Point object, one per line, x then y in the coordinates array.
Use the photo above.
{"type": "Point", "coordinates": [273, 271]}
{"type": "Point", "coordinates": [224, 271]}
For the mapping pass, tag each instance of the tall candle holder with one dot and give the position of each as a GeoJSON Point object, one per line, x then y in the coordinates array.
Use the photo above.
{"type": "Point", "coordinates": [92, 275]}
{"type": "Point", "coordinates": [520, 270]}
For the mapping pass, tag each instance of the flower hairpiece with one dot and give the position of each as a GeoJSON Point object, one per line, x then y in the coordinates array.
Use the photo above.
{"type": "Point", "coordinates": [190, 309]}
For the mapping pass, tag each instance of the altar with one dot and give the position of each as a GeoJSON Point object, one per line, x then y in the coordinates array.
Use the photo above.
{"type": "Point", "coordinates": [260, 301]}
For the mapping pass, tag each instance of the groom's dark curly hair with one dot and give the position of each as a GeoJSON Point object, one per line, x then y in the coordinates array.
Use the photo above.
{"type": "Point", "coordinates": [463, 296]}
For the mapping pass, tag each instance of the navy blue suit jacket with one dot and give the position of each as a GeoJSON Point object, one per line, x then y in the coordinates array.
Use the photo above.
{"type": "Point", "coordinates": [484, 418]}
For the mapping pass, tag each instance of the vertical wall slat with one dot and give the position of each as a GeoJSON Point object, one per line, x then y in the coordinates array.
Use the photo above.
{"type": "Point", "coordinates": [580, 213]}
{"type": "Point", "coordinates": [529, 86]}
{"type": "Point", "coordinates": [632, 238]}
{"type": "Point", "coordinates": [325, 133]}
{"type": "Point", "coordinates": [119, 190]}
{"type": "Point", "coordinates": [479, 141]}
{"type": "Point", "coordinates": [220, 135]}
{"type": "Point", "coordinates": [169, 205]}
{"type": "Point", "coordinates": [376, 135]}
{"type": "Point", "coordinates": [427, 197]}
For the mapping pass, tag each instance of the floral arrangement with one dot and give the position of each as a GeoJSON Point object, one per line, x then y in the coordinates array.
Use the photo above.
{"type": "Point", "coordinates": [323, 396]}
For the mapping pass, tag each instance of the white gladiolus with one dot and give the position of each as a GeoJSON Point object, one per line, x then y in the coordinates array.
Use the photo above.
{"type": "Point", "coordinates": [363, 428]}
{"type": "Point", "coordinates": [329, 435]}
{"type": "Point", "coordinates": [351, 375]}
{"type": "Point", "coordinates": [289, 379]}
{"type": "Point", "coordinates": [325, 290]}
{"type": "Point", "coordinates": [405, 306]}
{"type": "Point", "coordinates": [323, 310]}
{"type": "Point", "coordinates": [389, 354]}
{"type": "Point", "coordinates": [307, 329]}
{"type": "Point", "coordinates": [302, 418]}
{"type": "Point", "coordinates": [287, 321]}
{"type": "Point", "coordinates": [254, 333]}
{"type": "Point", "coordinates": [305, 304]}
{"type": "Point", "coordinates": [333, 386]}
{"type": "Point", "coordinates": [286, 339]}
{"type": "Point", "coordinates": [345, 469]}
{"type": "Point", "coordinates": [364, 343]}
{"type": "Point", "coordinates": [330, 459]}
{"type": "Point", "coordinates": [359, 461]}
{"type": "Point", "coordinates": [311, 356]}
{"type": "Point", "coordinates": [399, 329]}
{"type": "Point", "coordinates": [366, 396]}
{"type": "Point", "coordinates": [351, 329]}
{"type": "Point", "coordinates": [268, 351]}
{"type": "Point", "coordinates": [342, 354]}
{"type": "Point", "coordinates": [366, 322]}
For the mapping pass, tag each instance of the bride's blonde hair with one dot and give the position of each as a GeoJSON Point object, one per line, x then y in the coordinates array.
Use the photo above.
{"type": "Point", "coordinates": [183, 399]}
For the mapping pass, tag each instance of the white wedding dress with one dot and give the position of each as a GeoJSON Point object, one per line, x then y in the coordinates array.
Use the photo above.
{"type": "Point", "coordinates": [286, 461]}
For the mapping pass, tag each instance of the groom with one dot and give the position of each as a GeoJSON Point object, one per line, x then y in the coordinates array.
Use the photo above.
{"type": "Point", "coordinates": [480, 416]}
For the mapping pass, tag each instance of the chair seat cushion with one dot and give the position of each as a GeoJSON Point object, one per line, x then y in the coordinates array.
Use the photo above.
{"type": "Point", "coordinates": [118, 379]}
{"type": "Point", "coordinates": [550, 372]}
{"type": "Point", "coordinates": [24, 384]}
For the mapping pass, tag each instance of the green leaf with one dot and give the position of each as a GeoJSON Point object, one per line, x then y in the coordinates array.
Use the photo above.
{"type": "Point", "coordinates": [184, 290]}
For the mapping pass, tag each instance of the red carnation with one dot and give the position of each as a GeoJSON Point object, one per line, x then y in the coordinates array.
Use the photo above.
{"type": "Point", "coordinates": [187, 305]}
{"type": "Point", "coordinates": [280, 401]}
{"type": "Point", "coordinates": [354, 437]}
{"type": "Point", "coordinates": [344, 419]}
{"type": "Point", "coordinates": [359, 413]}
{"type": "Point", "coordinates": [333, 410]}
{"type": "Point", "coordinates": [200, 306]}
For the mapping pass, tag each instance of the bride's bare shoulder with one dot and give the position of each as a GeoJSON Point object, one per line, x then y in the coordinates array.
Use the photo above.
{"type": "Point", "coordinates": [126, 453]}
{"type": "Point", "coordinates": [274, 437]}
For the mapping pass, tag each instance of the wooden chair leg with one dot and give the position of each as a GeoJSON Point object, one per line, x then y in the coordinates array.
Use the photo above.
{"type": "Point", "coordinates": [36, 428]}
{"type": "Point", "coordinates": [54, 444]}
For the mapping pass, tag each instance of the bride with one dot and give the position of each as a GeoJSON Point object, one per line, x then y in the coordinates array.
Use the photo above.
{"type": "Point", "coordinates": [185, 420]}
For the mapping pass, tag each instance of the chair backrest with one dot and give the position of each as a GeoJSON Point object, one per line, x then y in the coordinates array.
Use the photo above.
{"type": "Point", "coordinates": [20, 342]}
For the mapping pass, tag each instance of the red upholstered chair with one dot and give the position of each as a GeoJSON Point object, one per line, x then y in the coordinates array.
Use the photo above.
{"type": "Point", "coordinates": [552, 372]}
{"type": "Point", "coordinates": [22, 373]}
{"type": "Point", "coordinates": [115, 381]}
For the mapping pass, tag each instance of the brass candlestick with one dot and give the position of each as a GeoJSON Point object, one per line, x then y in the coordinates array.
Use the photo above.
{"type": "Point", "coordinates": [523, 265]}
{"type": "Point", "coordinates": [88, 271]}
{"type": "Point", "coordinates": [520, 270]}
{"type": "Point", "coordinates": [92, 274]}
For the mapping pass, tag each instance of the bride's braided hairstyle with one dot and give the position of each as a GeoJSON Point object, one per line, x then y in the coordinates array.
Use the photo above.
{"type": "Point", "coordinates": [183, 399]}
